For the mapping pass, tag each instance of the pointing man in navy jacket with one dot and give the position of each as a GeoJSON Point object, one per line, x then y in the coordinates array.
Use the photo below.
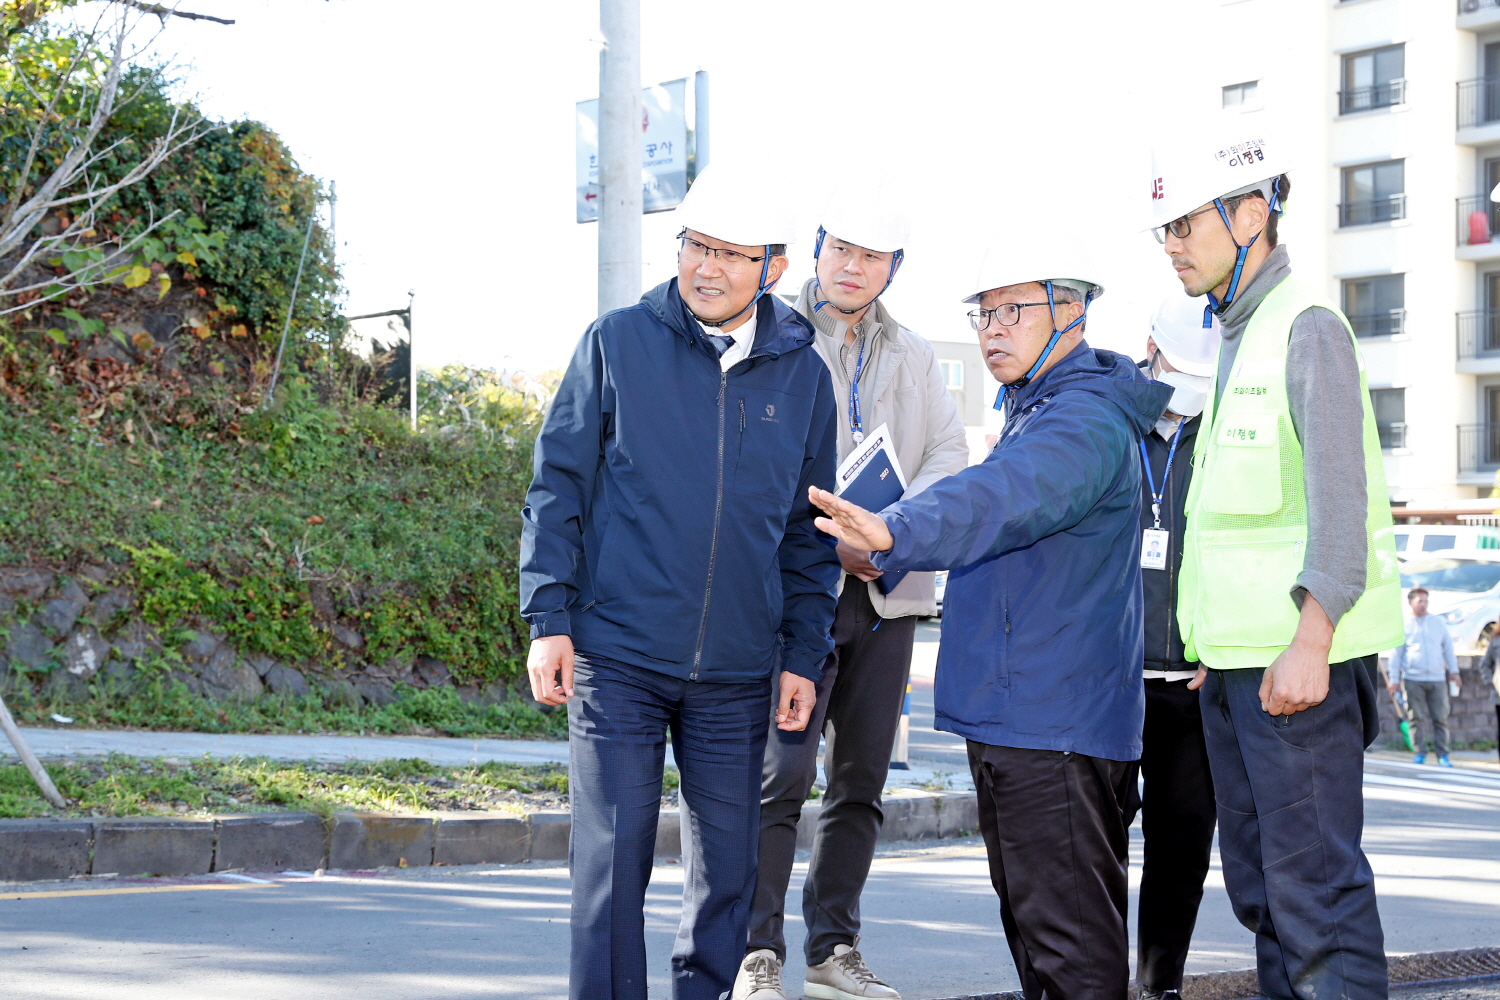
{"type": "Point", "coordinates": [670, 572]}
{"type": "Point", "coordinates": [1040, 663]}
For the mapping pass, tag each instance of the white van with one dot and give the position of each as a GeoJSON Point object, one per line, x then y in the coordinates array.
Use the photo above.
{"type": "Point", "coordinates": [1412, 540]}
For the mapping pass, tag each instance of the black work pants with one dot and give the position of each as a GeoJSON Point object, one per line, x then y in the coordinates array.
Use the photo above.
{"type": "Point", "coordinates": [857, 711]}
{"type": "Point", "coordinates": [1291, 814]}
{"type": "Point", "coordinates": [1056, 828]}
{"type": "Point", "coordinates": [617, 724]}
{"type": "Point", "coordinates": [1177, 823]}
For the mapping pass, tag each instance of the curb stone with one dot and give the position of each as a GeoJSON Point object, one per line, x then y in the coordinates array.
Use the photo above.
{"type": "Point", "coordinates": [1405, 970]}
{"type": "Point", "coordinates": [37, 849]}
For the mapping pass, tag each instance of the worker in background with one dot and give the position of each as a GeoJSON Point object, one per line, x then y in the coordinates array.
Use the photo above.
{"type": "Point", "coordinates": [1288, 570]}
{"type": "Point", "coordinates": [1040, 662]}
{"type": "Point", "coordinates": [883, 374]}
{"type": "Point", "coordinates": [673, 579]}
{"type": "Point", "coordinates": [1425, 666]}
{"type": "Point", "coordinates": [1177, 792]}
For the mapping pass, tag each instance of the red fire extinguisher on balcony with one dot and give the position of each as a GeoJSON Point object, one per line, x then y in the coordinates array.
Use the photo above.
{"type": "Point", "coordinates": [1479, 227]}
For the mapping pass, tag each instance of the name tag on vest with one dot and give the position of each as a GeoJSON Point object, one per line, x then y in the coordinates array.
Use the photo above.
{"type": "Point", "coordinates": [1247, 430]}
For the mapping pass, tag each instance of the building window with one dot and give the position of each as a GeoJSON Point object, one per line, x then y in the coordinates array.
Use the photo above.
{"type": "Point", "coordinates": [953, 374]}
{"type": "Point", "coordinates": [1374, 79]}
{"type": "Point", "coordinates": [1242, 96]}
{"type": "Point", "coordinates": [1374, 192]}
{"type": "Point", "coordinates": [1376, 306]}
{"type": "Point", "coordinates": [1390, 416]}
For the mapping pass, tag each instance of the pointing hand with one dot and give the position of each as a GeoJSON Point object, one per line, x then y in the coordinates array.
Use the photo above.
{"type": "Point", "coordinates": [851, 524]}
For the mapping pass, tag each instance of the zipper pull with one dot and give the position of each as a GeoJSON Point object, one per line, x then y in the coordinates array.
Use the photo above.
{"type": "Point", "coordinates": [1007, 622]}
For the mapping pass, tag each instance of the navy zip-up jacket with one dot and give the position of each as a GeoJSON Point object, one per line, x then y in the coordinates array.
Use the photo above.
{"type": "Point", "coordinates": [1042, 641]}
{"type": "Point", "coordinates": [667, 525]}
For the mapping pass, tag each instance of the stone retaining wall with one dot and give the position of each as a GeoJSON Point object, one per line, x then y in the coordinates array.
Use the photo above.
{"type": "Point", "coordinates": [1471, 716]}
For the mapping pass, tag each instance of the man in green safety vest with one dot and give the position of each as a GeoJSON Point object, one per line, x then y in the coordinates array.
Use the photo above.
{"type": "Point", "coordinates": [1289, 579]}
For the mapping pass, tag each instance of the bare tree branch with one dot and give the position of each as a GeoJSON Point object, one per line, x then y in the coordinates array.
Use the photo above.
{"type": "Point", "coordinates": [165, 12]}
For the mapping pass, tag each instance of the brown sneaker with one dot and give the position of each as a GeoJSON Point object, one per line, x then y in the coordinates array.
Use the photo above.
{"type": "Point", "coordinates": [845, 977]}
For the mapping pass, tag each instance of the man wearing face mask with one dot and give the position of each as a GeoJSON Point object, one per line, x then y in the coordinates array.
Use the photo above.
{"type": "Point", "coordinates": [884, 374]}
{"type": "Point", "coordinates": [1040, 662]}
{"type": "Point", "coordinates": [1177, 801]}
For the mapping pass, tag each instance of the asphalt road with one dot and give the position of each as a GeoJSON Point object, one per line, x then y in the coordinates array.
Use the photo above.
{"type": "Point", "coordinates": [931, 919]}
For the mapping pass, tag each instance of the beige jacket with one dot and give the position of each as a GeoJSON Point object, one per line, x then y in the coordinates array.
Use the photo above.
{"type": "Point", "coordinates": [900, 385]}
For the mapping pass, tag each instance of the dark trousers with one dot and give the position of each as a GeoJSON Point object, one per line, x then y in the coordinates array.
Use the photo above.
{"type": "Point", "coordinates": [858, 708]}
{"type": "Point", "coordinates": [1055, 827]}
{"type": "Point", "coordinates": [1291, 812]}
{"type": "Point", "coordinates": [1177, 822]}
{"type": "Point", "coordinates": [1429, 714]}
{"type": "Point", "coordinates": [617, 723]}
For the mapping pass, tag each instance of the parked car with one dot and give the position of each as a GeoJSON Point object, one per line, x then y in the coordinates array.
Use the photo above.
{"type": "Point", "coordinates": [1463, 589]}
{"type": "Point", "coordinates": [941, 579]}
{"type": "Point", "coordinates": [1412, 540]}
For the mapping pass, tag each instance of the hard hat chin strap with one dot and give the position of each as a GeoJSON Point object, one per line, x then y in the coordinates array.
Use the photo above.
{"type": "Point", "coordinates": [1215, 307]}
{"type": "Point", "coordinates": [896, 260]}
{"type": "Point", "coordinates": [1057, 335]}
{"type": "Point", "coordinates": [765, 267]}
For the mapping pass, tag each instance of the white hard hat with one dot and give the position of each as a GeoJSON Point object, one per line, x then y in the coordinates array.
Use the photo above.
{"type": "Point", "coordinates": [867, 216]}
{"type": "Point", "coordinates": [737, 205]}
{"type": "Point", "coordinates": [1031, 254]}
{"type": "Point", "coordinates": [1235, 156]}
{"type": "Point", "coordinates": [1178, 331]}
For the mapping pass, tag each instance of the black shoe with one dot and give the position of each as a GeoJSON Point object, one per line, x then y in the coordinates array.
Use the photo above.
{"type": "Point", "coordinates": [1147, 994]}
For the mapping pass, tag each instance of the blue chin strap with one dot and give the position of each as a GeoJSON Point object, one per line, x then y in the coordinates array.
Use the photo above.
{"type": "Point", "coordinates": [1025, 380]}
{"type": "Point", "coordinates": [765, 268]}
{"type": "Point", "coordinates": [1215, 307]}
{"type": "Point", "coordinates": [896, 260]}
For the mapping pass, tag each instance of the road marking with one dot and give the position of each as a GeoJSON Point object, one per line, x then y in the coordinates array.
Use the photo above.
{"type": "Point", "coordinates": [140, 889]}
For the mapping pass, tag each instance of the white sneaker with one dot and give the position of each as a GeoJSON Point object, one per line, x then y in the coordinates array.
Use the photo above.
{"type": "Point", "coordinates": [759, 977]}
{"type": "Point", "coordinates": [845, 977]}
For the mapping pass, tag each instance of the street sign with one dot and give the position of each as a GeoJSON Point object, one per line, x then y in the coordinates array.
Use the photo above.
{"type": "Point", "coordinates": [664, 150]}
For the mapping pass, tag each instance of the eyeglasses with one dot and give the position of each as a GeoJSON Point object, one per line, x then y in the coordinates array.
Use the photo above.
{"type": "Point", "coordinates": [1180, 227]}
{"type": "Point", "coordinates": [732, 261]}
{"type": "Point", "coordinates": [1006, 314]}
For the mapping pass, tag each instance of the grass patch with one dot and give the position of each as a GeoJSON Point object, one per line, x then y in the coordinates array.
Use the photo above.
{"type": "Point", "coordinates": [160, 705]}
{"type": "Point", "coordinates": [120, 785]}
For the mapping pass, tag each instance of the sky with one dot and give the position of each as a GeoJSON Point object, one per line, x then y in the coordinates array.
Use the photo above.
{"type": "Point", "coordinates": [449, 134]}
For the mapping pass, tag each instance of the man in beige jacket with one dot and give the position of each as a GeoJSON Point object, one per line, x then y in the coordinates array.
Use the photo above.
{"type": "Point", "coordinates": [882, 374]}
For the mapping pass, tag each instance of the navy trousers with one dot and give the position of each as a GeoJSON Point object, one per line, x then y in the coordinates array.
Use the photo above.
{"type": "Point", "coordinates": [1291, 813]}
{"type": "Point", "coordinates": [617, 729]}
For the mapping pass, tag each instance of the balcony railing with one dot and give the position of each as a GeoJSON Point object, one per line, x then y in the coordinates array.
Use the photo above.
{"type": "Point", "coordinates": [1478, 448]}
{"type": "Point", "coordinates": [1378, 324]}
{"type": "Point", "coordinates": [1478, 101]}
{"type": "Point", "coordinates": [1382, 95]}
{"type": "Point", "coordinates": [1473, 6]}
{"type": "Point", "coordinates": [1478, 220]}
{"type": "Point", "coordinates": [1362, 213]}
{"type": "Point", "coordinates": [1392, 436]}
{"type": "Point", "coordinates": [1478, 334]}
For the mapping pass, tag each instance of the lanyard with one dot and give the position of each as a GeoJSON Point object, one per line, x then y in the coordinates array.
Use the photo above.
{"type": "Point", "coordinates": [856, 420]}
{"type": "Point", "coordinates": [1166, 475]}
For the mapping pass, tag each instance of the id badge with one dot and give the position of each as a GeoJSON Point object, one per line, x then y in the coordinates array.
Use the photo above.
{"type": "Point", "coordinates": [1154, 548]}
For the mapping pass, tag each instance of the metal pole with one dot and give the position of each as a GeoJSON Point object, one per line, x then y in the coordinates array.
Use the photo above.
{"type": "Point", "coordinates": [411, 357]}
{"type": "Point", "coordinates": [619, 154]}
{"type": "Point", "coordinates": [38, 772]}
{"type": "Point", "coordinates": [291, 307]}
{"type": "Point", "coordinates": [700, 122]}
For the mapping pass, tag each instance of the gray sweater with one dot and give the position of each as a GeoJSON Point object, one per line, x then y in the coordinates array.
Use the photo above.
{"type": "Point", "coordinates": [1322, 385]}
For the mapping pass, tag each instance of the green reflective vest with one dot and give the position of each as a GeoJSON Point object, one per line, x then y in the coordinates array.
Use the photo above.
{"type": "Point", "coordinates": [1247, 512]}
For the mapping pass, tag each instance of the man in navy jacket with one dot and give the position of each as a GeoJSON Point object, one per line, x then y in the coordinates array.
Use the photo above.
{"type": "Point", "coordinates": [1040, 663]}
{"type": "Point", "coordinates": [669, 568]}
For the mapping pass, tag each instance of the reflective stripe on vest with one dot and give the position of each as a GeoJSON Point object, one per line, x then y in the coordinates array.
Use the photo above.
{"type": "Point", "coordinates": [1247, 512]}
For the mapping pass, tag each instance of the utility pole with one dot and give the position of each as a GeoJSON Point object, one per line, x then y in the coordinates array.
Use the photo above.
{"type": "Point", "coordinates": [619, 154]}
{"type": "Point", "coordinates": [411, 357]}
{"type": "Point", "coordinates": [700, 122]}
